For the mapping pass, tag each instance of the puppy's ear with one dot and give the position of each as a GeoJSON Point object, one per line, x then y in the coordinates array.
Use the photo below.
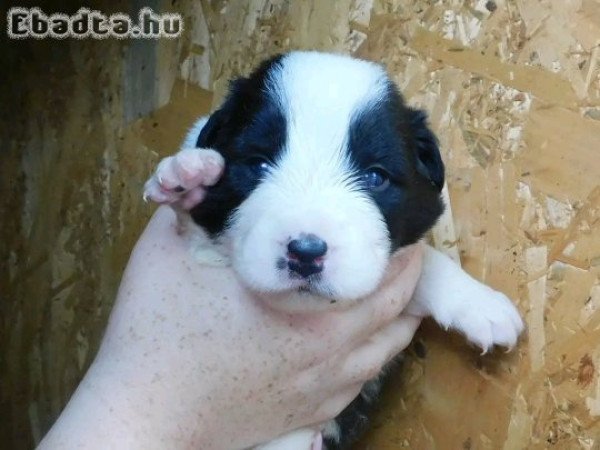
{"type": "Point", "coordinates": [239, 99]}
{"type": "Point", "coordinates": [429, 160]}
{"type": "Point", "coordinates": [210, 131]}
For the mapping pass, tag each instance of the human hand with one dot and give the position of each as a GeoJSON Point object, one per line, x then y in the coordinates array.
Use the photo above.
{"type": "Point", "coordinates": [192, 359]}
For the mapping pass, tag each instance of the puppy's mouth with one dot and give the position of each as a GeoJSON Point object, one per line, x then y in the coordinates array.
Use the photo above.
{"type": "Point", "coordinates": [319, 290]}
{"type": "Point", "coordinates": [306, 280]}
{"type": "Point", "coordinates": [306, 277]}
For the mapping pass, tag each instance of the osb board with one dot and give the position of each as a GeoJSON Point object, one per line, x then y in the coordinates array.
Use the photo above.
{"type": "Point", "coordinates": [513, 92]}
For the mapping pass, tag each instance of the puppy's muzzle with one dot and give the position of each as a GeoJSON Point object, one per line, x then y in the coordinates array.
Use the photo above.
{"type": "Point", "coordinates": [305, 255]}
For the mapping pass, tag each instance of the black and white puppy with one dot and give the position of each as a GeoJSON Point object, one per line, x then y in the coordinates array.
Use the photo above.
{"type": "Point", "coordinates": [318, 173]}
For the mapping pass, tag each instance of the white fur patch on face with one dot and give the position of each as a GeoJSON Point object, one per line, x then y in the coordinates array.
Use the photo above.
{"type": "Point", "coordinates": [310, 188]}
{"type": "Point", "coordinates": [191, 138]}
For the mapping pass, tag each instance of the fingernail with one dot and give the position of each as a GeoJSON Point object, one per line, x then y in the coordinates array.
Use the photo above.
{"type": "Point", "coordinates": [317, 443]}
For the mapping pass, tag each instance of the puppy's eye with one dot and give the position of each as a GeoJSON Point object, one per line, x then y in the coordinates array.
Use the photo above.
{"type": "Point", "coordinates": [260, 166]}
{"type": "Point", "coordinates": [374, 180]}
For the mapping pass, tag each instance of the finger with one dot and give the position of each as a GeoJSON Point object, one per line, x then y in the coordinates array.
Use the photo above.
{"type": "Point", "coordinates": [401, 277]}
{"type": "Point", "coordinates": [333, 406]}
{"type": "Point", "coordinates": [303, 439]}
{"type": "Point", "coordinates": [317, 443]}
{"type": "Point", "coordinates": [387, 302]}
{"type": "Point", "coordinates": [365, 363]}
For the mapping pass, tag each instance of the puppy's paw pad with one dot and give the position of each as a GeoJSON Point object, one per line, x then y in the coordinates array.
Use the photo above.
{"type": "Point", "coordinates": [198, 167]}
{"type": "Point", "coordinates": [180, 179]}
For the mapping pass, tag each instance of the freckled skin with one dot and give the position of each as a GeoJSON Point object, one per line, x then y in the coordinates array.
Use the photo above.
{"type": "Point", "coordinates": [181, 360]}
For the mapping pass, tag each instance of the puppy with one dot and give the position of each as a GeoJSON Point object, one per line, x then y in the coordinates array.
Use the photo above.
{"type": "Point", "coordinates": [310, 175]}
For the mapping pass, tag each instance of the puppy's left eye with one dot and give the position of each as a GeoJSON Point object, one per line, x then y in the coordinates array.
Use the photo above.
{"type": "Point", "coordinates": [260, 166]}
{"type": "Point", "coordinates": [374, 180]}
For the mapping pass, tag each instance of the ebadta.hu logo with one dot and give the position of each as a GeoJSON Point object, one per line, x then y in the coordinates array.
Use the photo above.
{"type": "Point", "coordinates": [25, 23]}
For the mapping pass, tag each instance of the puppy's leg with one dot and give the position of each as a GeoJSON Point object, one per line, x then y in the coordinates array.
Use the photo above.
{"type": "Point", "coordinates": [180, 180]}
{"type": "Point", "coordinates": [303, 439]}
{"type": "Point", "coordinates": [458, 301]}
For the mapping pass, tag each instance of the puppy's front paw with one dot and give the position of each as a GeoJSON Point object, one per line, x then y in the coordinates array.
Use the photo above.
{"type": "Point", "coordinates": [487, 318]}
{"type": "Point", "coordinates": [180, 180]}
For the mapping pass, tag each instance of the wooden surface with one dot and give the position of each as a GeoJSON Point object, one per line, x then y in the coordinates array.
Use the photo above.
{"type": "Point", "coordinates": [513, 91]}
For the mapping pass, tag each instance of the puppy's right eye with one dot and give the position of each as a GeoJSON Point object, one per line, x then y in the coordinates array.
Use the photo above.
{"type": "Point", "coordinates": [260, 166]}
{"type": "Point", "coordinates": [375, 179]}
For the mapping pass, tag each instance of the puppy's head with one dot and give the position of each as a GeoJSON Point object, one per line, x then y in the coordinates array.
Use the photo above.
{"type": "Point", "coordinates": [327, 172]}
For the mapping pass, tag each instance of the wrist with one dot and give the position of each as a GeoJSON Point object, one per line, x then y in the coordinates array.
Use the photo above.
{"type": "Point", "coordinates": [112, 410]}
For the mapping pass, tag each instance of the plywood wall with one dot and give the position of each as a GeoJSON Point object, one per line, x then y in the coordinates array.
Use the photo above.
{"type": "Point", "coordinates": [513, 91]}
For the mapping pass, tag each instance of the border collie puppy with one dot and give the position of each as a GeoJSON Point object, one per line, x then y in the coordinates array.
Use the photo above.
{"type": "Point", "coordinates": [310, 175]}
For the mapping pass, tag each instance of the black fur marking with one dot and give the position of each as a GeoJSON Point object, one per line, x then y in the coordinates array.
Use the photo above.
{"type": "Point", "coordinates": [353, 421]}
{"type": "Point", "coordinates": [429, 160]}
{"type": "Point", "coordinates": [249, 124]}
{"type": "Point", "coordinates": [395, 138]}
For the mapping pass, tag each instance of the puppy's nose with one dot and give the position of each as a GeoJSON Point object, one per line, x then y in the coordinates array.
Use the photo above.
{"type": "Point", "coordinates": [307, 248]}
